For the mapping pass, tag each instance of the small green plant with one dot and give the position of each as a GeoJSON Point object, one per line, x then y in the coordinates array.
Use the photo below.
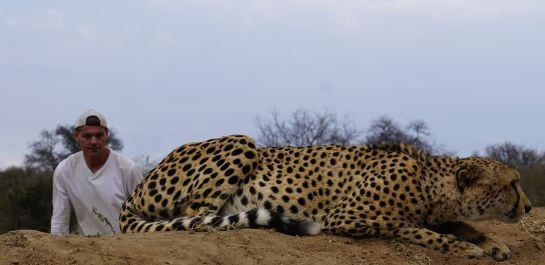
{"type": "Point", "coordinates": [103, 219]}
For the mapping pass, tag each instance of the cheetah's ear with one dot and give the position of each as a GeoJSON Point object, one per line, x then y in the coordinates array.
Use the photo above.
{"type": "Point", "coordinates": [465, 177]}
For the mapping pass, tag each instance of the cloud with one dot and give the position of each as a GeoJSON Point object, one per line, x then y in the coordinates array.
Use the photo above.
{"type": "Point", "coordinates": [37, 19]}
{"type": "Point", "coordinates": [466, 8]}
{"type": "Point", "coordinates": [165, 39]}
{"type": "Point", "coordinates": [88, 32]}
{"type": "Point", "coordinates": [12, 22]}
{"type": "Point", "coordinates": [350, 18]}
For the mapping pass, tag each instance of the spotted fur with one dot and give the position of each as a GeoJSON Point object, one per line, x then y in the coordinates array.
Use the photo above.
{"type": "Point", "coordinates": [395, 191]}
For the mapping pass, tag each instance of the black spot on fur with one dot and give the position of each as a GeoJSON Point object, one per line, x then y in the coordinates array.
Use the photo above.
{"type": "Point", "coordinates": [233, 180]}
{"type": "Point", "coordinates": [249, 154]}
{"type": "Point", "coordinates": [233, 219]}
{"type": "Point", "coordinates": [174, 180]}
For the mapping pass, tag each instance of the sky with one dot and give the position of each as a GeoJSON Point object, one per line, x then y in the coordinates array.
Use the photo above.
{"type": "Point", "coordinates": [167, 72]}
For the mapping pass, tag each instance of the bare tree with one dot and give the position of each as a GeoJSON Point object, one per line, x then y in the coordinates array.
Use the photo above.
{"type": "Point", "coordinates": [315, 128]}
{"type": "Point", "coordinates": [306, 128]}
{"type": "Point", "coordinates": [419, 128]}
{"type": "Point", "coordinates": [385, 129]}
{"type": "Point", "coordinates": [43, 156]}
{"type": "Point", "coordinates": [514, 155]}
{"type": "Point", "coordinates": [420, 135]}
{"type": "Point", "coordinates": [145, 162]}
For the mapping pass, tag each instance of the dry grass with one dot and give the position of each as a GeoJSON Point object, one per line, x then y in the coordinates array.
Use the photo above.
{"type": "Point", "coordinates": [535, 228]}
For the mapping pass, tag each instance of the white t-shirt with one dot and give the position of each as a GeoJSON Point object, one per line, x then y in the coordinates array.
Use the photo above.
{"type": "Point", "coordinates": [92, 194]}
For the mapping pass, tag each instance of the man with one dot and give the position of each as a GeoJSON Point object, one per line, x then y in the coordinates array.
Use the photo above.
{"type": "Point", "coordinates": [94, 182]}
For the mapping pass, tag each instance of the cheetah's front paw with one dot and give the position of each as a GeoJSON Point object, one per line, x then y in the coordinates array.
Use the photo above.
{"type": "Point", "coordinates": [497, 250]}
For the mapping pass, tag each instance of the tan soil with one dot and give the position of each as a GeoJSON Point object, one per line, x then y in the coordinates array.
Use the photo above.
{"type": "Point", "coordinates": [251, 246]}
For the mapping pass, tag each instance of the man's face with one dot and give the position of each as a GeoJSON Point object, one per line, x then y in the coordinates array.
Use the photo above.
{"type": "Point", "coordinates": [92, 139]}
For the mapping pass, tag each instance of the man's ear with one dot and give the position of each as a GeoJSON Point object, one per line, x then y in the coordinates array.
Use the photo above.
{"type": "Point", "coordinates": [465, 177]}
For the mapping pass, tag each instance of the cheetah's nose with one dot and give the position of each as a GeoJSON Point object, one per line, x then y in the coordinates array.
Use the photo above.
{"type": "Point", "coordinates": [527, 208]}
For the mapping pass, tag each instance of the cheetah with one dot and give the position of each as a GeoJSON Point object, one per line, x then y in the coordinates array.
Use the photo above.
{"type": "Point", "coordinates": [389, 191]}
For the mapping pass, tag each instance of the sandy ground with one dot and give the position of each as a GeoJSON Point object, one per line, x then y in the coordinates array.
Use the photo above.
{"type": "Point", "coordinates": [251, 246]}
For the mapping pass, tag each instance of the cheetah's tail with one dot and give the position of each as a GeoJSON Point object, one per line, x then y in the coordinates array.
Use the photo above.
{"type": "Point", "coordinates": [260, 217]}
{"type": "Point", "coordinates": [254, 218]}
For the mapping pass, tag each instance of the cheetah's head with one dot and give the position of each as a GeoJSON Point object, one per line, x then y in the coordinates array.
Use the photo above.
{"type": "Point", "coordinates": [490, 190]}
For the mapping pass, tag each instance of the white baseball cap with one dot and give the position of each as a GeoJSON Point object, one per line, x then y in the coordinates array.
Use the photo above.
{"type": "Point", "coordinates": [91, 117]}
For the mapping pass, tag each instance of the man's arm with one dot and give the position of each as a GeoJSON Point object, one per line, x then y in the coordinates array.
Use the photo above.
{"type": "Point", "coordinates": [60, 219]}
{"type": "Point", "coordinates": [134, 178]}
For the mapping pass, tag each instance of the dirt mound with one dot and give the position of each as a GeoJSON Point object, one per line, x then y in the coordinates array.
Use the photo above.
{"type": "Point", "coordinates": [250, 246]}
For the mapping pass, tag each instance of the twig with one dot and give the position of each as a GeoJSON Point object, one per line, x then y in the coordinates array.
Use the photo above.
{"type": "Point", "coordinates": [103, 219]}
